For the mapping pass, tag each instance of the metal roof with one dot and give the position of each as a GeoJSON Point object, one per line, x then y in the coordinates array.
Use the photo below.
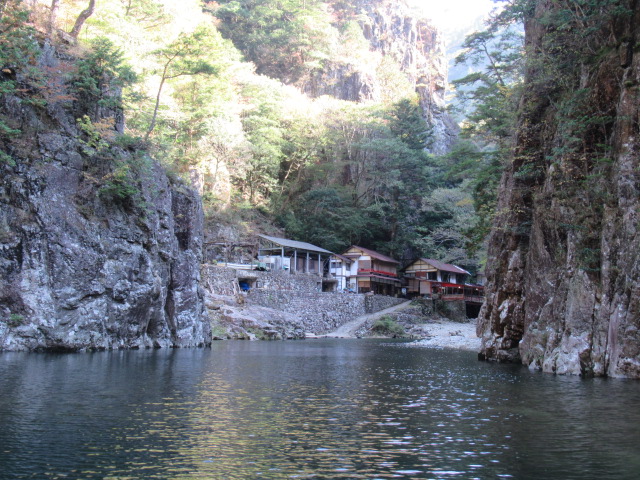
{"type": "Point", "coordinates": [445, 266]}
{"type": "Point", "coordinates": [284, 242]}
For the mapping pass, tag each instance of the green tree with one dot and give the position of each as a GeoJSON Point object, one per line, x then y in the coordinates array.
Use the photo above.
{"type": "Point", "coordinates": [283, 39]}
{"type": "Point", "coordinates": [327, 217]}
{"type": "Point", "coordinates": [18, 53]}
{"type": "Point", "coordinates": [450, 213]}
{"type": "Point", "coordinates": [365, 181]}
{"type": "Point", "coordinates": [200, 99]}
{"type": "Point", "coordinates": [482, 166]}
{"type": "Point", "coordinates": [148, 12]}
{"type": "Point", "coordinates": [188, 55]}
{"type": "Point", "coordinates": [304, 147]}
{"type": "Point", "coordinates": [408, 125]}
{"type": "Point", "coordinates": [490, 95]}
{"type": "Point", "coordinates": [19, 49]}
{"type": "Point", "coordinates": [100, 77]}
{"type": "Point", "coordinates": [264, 130]}
{"type": "Point", "coordinates": [406, 174]}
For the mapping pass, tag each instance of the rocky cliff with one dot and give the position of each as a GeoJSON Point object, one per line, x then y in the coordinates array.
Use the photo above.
{"type": "Point", "coordinates": [394, 32]}
{"type": "Point", "coordinates": [98, 248]}
{"type": "Point", "coordinates": [563, 291]}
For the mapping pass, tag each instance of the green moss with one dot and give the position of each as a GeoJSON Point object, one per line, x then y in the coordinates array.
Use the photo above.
{"type": "Point", "coordinates": [218, 331]}
{"type": "Point", "coordinates": [259, 333]}
{"type": "Point", "coordinates": [15, 320]}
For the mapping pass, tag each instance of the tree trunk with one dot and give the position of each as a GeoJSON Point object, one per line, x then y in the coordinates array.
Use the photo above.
{"type": "Point", "coordinates": [53, 14]}
{"type": "Point", "coordinates": [75, 31]}
{"type": "Point", "coordinates": [155, 109]}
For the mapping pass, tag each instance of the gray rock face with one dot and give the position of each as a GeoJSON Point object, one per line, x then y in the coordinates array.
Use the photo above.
{"type": "Point", "coordinates": [78, 275]}
{"type": "Point", "coordinates": [393, 30]}
{"type": "Point", "coordinates": [81, 270]}
{"type": "Point", "coordinates": [564, 272]}
{"type": "Point", "coordinates": [345, 81]}
{"type": "Point", "coordinates": [419, 48]}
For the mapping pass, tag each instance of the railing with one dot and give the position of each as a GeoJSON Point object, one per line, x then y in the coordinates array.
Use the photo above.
{"type": "Point", "coordinates": [474, 298]}
{"type": "Point", "coordinates": [377, 272]}
{"type": "Point", "coordinates": [449, 297]}
{"type": "Point", "coordinates": [452, 296]}
{"type": "Point", "coordinates": [237, 266]}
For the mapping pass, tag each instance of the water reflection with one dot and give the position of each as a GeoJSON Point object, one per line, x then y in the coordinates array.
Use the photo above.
{"type": "Point", "coordinates": [327, 409]}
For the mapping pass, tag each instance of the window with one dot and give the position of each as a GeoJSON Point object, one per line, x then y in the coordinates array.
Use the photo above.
{"type": "Point", "coordinates": [446, 277]}
{"type": "Point", "coordinates": [432, 276]}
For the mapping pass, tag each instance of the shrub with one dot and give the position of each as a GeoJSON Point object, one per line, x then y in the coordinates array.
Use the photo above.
{"type": "Point", "coordinates": [130, 142]}
{"type": "Point", "coordinates": [19, 48]}
{"type": "Point", "coordinates": [18, 51]}
{"type": "Point", "coordinates": [120, 185]}
{"type": "Point", "coordinates": [15, 320]}
{"type": "Point", "coordinates": [100, 77]}
{"type": "Point", "coordinates": [388, 326]}
{"type": "Point", "coordinates": [94, 140]}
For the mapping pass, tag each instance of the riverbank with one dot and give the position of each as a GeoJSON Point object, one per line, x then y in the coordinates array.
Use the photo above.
{"type": "Point", "coordinates": [431, 332]}
{"type": "Point", "coordinates": [284, 306]}
{"type": "Point", "coordinates": [448, 334]}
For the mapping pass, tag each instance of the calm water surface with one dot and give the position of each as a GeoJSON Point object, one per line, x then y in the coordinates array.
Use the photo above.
{"type": "Point", "coordinates": [323, 409]}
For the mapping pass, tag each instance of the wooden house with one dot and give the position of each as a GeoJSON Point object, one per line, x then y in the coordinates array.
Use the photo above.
{"type": "Point", "coordinates": [371, 271]}
{"type": "Point", "coordinates": [435, 279]}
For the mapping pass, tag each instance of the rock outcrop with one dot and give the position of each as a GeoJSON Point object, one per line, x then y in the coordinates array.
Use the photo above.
{"type": "Point", "coordinates": [232, 318]}
{"type": "Point", "coordinates": [394, 32]}
{"type": "Point", "coordinates": [82, 265]}
{"type": "Point", "coordinates": [563, 291]}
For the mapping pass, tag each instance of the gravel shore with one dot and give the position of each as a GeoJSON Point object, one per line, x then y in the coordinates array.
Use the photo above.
{"type": "Point", "coordinates": [446, 334]}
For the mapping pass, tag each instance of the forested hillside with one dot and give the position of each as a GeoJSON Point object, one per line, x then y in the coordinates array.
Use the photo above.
{"type": "Point", "coordinates": [309, 119]}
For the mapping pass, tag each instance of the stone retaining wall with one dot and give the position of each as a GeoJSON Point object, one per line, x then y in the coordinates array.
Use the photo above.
{"type": "Point", "coordinates": [319, 312]}
{"type": "Point", "coordinates": [375, 303]}
{"type": "Point", "coordinates": [284, 281]}
{"type": "Point", "coordinates": [220, 280]}
{"type": "Point", "coordinates": [224, 280]}
{"type": "Point", "coordinates": [455, 310]}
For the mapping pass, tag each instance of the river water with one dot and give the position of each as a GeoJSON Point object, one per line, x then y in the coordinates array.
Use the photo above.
{"type": "Point", "coordinates": [321, 409]}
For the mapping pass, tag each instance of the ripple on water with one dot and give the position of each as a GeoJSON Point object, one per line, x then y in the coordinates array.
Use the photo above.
{"type": "Point", "coordinates": [323, 410]}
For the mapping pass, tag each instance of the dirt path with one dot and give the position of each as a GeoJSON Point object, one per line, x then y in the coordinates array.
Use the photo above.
{"type": "Point", "coordinates": [347, 330]}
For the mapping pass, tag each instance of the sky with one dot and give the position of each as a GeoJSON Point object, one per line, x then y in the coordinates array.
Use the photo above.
{"type": "Point", "coordinates": [449, 14]}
